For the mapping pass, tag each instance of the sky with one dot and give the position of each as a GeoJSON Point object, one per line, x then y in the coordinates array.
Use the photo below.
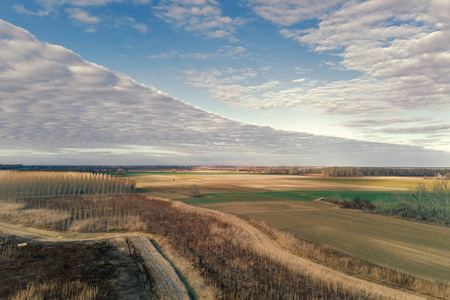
{"type": "Point", "coordinates": [268, 82]}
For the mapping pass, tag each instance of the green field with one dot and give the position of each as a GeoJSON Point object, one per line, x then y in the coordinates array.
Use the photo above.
{"type": "Point", "coordinates": [384, 197]}
{"type": "Point", "coordinates": [417, 249]}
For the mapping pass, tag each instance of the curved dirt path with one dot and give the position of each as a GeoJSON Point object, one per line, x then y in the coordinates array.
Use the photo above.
{"type": "Point", "coordinates": [263, 244]}
{"type": "Point", "coordinates": [167, 283]}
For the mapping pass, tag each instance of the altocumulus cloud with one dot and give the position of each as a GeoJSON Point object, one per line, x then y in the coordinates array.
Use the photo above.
{"type": "Point", "coordinates": [56, 107]}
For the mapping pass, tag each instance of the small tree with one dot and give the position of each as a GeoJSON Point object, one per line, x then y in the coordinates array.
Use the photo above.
{"type": "Point", "coordinates": [121, 172]}
{"type": "Point", "coordinates": [195, 192]}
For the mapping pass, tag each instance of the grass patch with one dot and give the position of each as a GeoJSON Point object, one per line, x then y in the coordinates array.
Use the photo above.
{"type": "Point", "coordinates": [384, 197]}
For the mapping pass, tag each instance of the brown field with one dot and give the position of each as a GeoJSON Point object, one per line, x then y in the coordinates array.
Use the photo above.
{"type": "Point", "coordinates": [178, 185]}
{"type": "Point", "coordinates": [417, 249]}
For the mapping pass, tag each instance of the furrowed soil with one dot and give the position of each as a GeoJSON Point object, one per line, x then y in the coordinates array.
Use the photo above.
{"type": "Point", "coordinates": [417, 249]}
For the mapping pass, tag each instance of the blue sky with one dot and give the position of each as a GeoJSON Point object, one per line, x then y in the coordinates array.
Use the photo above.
{"type": "Point", "coordinates": [358, 72]}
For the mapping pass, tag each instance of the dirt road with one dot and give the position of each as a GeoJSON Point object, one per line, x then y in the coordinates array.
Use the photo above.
{"type": "Point", "coordinates": [167, 283]}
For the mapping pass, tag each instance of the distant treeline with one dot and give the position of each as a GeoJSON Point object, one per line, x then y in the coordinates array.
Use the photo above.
{"type": "Point", "coordinates": [54, 168]}
{"type": "Point", "coordinates": [324, 171]}
{"type": "Point", "coordinates": [348, 171]}
{"type": "Point", "coordinates": [90, 168]}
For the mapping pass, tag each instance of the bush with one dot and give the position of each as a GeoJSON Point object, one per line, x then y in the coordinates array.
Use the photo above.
{"type": "Point", "coordinates": [356, 203]}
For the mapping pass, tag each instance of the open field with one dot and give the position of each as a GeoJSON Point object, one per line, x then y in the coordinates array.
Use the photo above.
{"type": "Point", "coordinates": [394, 182]}
{"type": "Point", "coordinates": [418, 249]}
{"type": "Point", "coordinates": [176, 185]}
{"type": "Point", "coordinates": [279, 201]}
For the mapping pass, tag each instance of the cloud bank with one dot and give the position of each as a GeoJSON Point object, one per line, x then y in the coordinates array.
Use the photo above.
{"type": "Point", "coordinates": [57, 108]}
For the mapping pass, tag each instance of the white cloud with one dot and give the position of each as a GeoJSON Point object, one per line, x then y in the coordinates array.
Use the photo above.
{"type": "Point", "coordinates": [164, 55]}
{"type": "Point", "coordinates": [56, 107]}
{"type": "Point", "coordinates": [80, 3]}
{"type": "Point", "coordinates": [141, 27]}
{"type": "Point", "coordinates": [22, 10]}
{"type": "Point", "coordinates": [81, 15]}
{"type": "Point", "coordinates": [402, 46]}
{"type": "Point", "coordinates": [289, 12]}
{"type": "Point", "coordinates": [202, 16]}
{"type": "Point", "coordinates": [78, 10]}
{"type": "Point", "coordinates": [129, 21]}
{"type": "Point", "coordinates": [224, 52]}
{"type": "Point", "coordinates": [376, 122]}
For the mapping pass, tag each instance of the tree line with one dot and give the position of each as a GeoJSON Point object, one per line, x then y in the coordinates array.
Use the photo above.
{"type": "Point", "coordinates": [348, 171]}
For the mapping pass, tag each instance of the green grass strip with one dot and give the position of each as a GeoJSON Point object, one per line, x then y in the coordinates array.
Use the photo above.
{"type": "Point", "coordinates": [191, 292]}
{"type": "Point", "coordinates": [384, 197]}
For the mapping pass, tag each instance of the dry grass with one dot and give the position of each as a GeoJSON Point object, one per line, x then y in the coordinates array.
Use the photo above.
{"type": "Point", "coordinates": [7, 251]}
{"type": "Point", "coordinates": [35, 217]}
{"type": "Point", "coordinates": [202, 289]}
{"type": "Point", "coordinates": [108, 224]}
{"type": "Point", "coordinates": [73, 290]}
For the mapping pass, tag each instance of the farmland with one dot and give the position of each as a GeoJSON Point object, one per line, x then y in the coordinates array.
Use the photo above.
{"type": "Point", "coordinates": [286, 202]}
{"type": "Point", "coordinates": [235, 258]}
{"type": "Point", "coordinates": [413, 248]}
{"type": "Point", "coordinates": [177, 185]}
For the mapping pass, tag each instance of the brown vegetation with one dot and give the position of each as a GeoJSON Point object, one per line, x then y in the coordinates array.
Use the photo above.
{"type": "Point", "coordinates": [72, 290]}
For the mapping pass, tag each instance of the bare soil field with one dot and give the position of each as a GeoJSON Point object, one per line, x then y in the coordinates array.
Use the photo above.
{"type": "Point", "coordinates": [178, 186]}
{"type": "Point", "coordinates": [417, 249]}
